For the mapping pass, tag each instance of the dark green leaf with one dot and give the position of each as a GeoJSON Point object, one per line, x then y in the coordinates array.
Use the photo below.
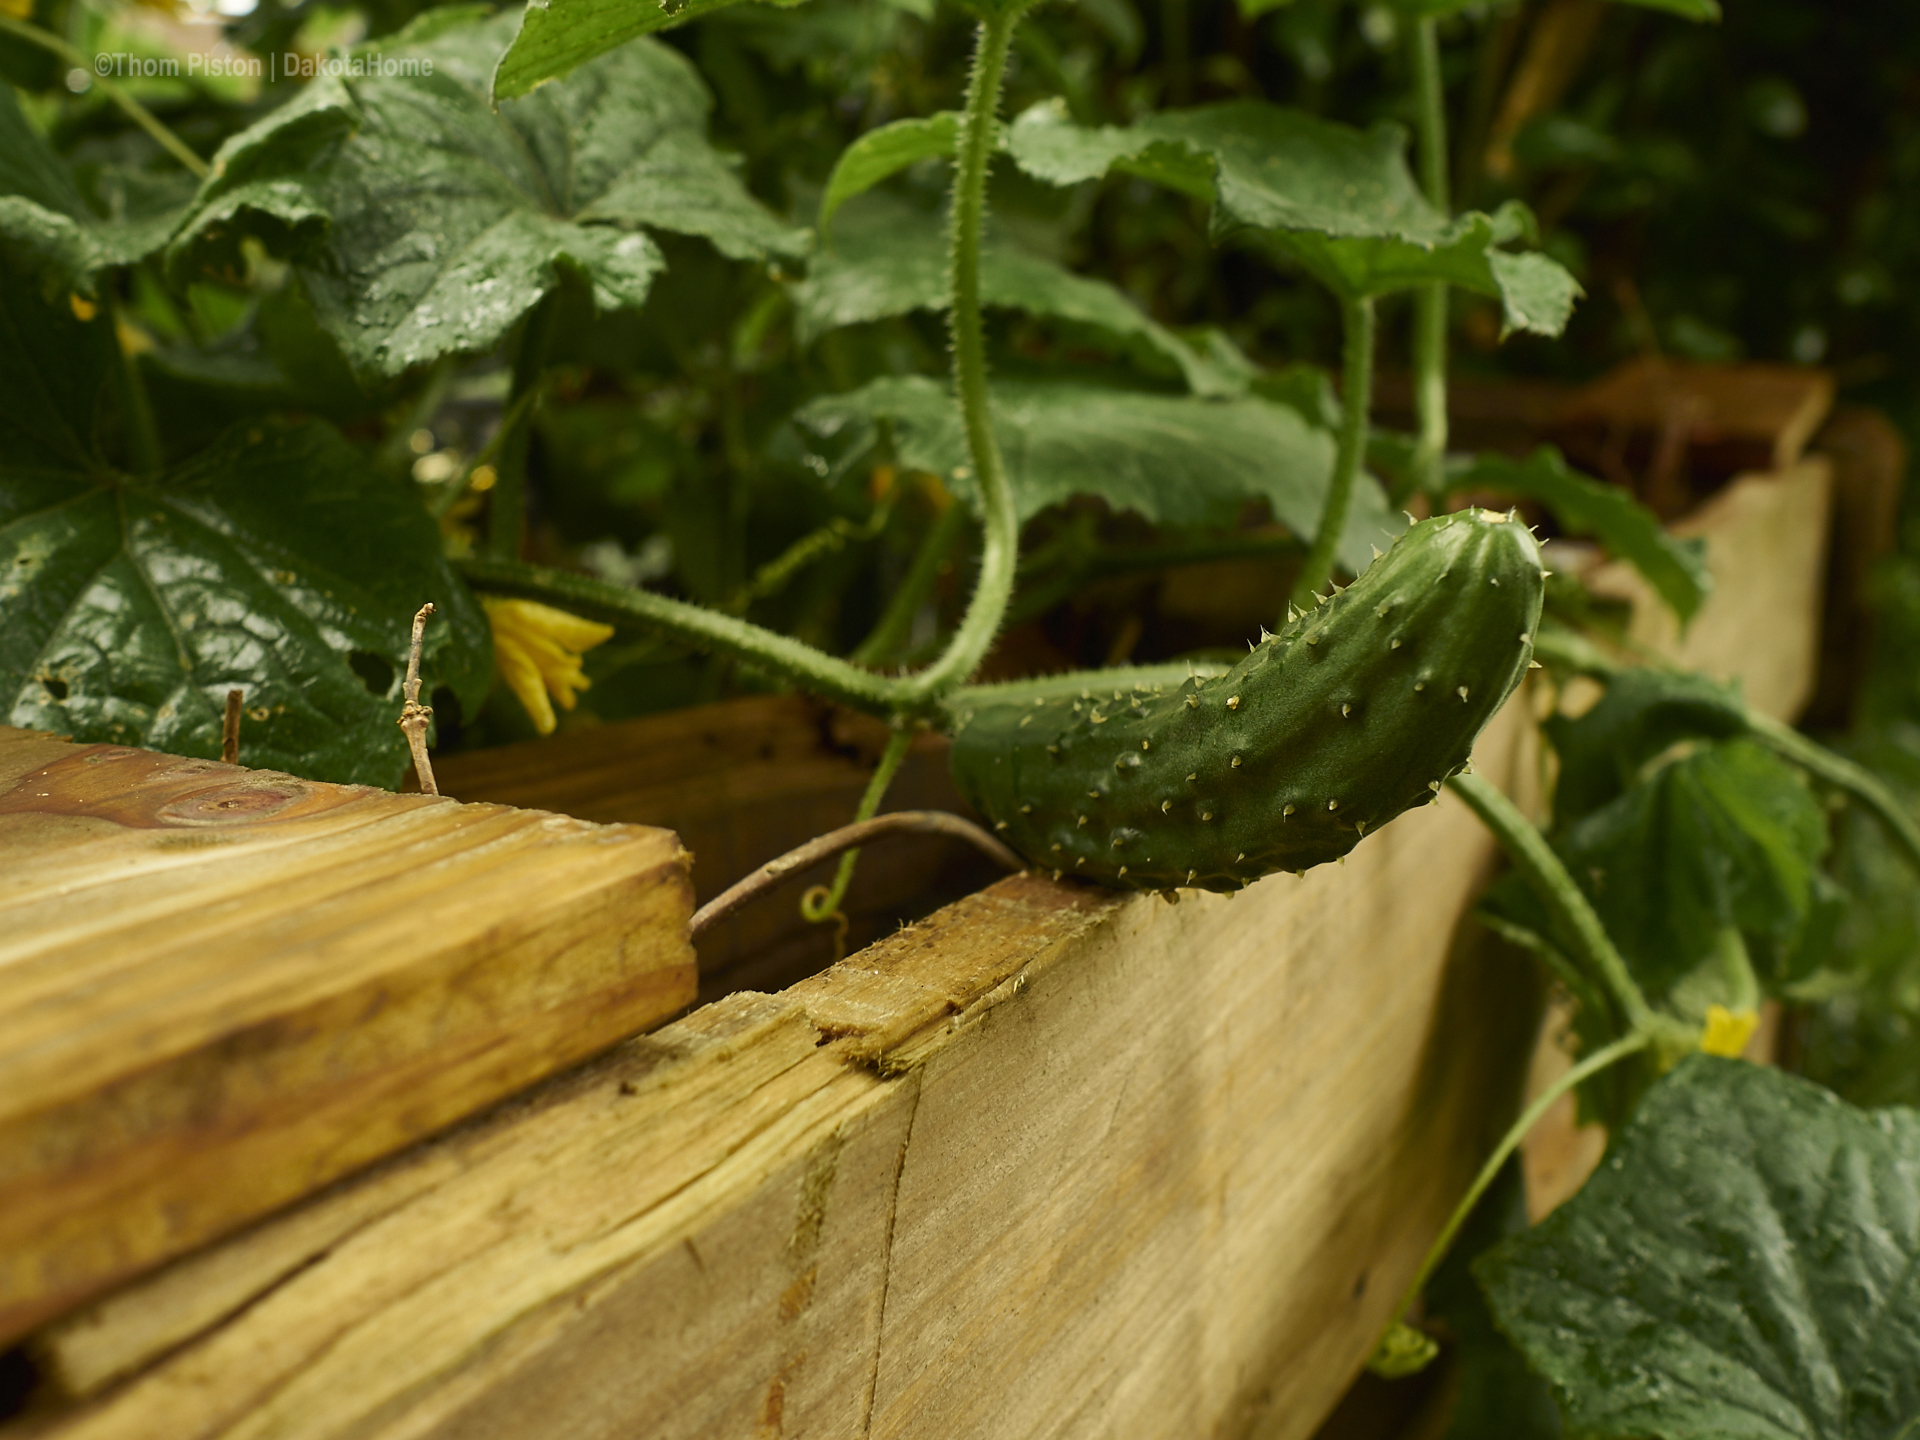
{"type": "Point", "coordinates": [884, 152]}
{"type": "Point", "coordinates": [1686, 9]}
{"type": "Point", "coordinates": [1337, 200]}
{"type": "Point", "coordinates": [45, 224]}
{"type": "Point", "coordinates": [1676, 569]}
{"type": "Point", "coordinates": [427, 223]}
{"type": "Point", "coordinates": [274, 562]}
{"type": "Point", "coordinates": [1727, 838]}
{"type": "Point", "coordinates": [559, 35]}
{"type": "Point", "coordinates": [1644, 712]}
{"type": "Point", "coordinates": [887, 259]}
{"type": "Point", "coordinates": [1744, 1266]}
{"type": "Point", "coordinates": [1175, 459]}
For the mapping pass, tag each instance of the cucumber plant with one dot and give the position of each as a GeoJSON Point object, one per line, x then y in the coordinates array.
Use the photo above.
{"type": "Point", "coordinates": [222, 361]}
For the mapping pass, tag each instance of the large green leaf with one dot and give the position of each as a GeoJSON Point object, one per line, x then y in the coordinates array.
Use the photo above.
{"type": "Point", "coordinates": [1744, 1266]}
{"type": "Point", "coordinates": [887, 258]}
{"type": "Point", "coordinates": [426, 222]}
{"type": "Point", "coordinates": [555, 36]}
{"type": "Point", "coordinates": [1677, 569]}
{"type": "Point", "coordinates": [275, 562]}
{"type": "Point", "coordinates": [45, 224]}
{"type": "Point", "coordinates": [1339, 201]}
{"type": "Point", "coordinates": [1176, 459]}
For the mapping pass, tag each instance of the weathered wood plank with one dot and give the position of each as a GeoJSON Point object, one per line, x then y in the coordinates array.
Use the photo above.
{"type": "Point", "coordinates": [221, 989]}
{"type": "Point", "coordinates": [1052, 1161]}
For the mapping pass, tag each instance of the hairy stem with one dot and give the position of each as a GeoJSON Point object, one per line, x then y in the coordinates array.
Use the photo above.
{"type": "Point", "coordinates": [1530, 854]}
{"type": "Point", "coordinates": [694, 626]}
{"type": "Point", "coordinates": [1591, 1065]}
{"type": "Point", "coordinates": [1000, 543]}
{"type": "Point", "coordinates": [822, 902]}
{"type": "Point", "coordinates": [1356, 321]}
{"type": "Point", "coordinates": [896, 621]}
{"type": "Point", "coordinates": [507, 510]}
{"type": "Point", "coordinates": [134, 110]}
{"type": "Point", "coordinates": [1430, 301]}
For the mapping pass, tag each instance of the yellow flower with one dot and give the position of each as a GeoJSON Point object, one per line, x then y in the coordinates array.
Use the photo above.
{"type": "Point", "coordinates": [537, 650]}
{"type": "Point", "coordinates": [1728, 1031]}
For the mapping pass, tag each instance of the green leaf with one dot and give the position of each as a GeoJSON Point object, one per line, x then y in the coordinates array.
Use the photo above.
{"type": "Point", "coordinates": [45, 224]}
{"type": "Point", "coordinates": [888, 258]}
{"type": "Point", "coordinates": [1676, 569]}
{"type": "Point", "coordinates": [1726, 838]}
{"type": "Point", "coordinates": [557, 36]}
{"type": "Point", "coordinates": [275, 562]}
{"type": "Point", "coordinates": [1439, 9]}
{"type": "Point", "coordinates": [1178, 460]}
{"type": "Point", "coordinates": [427, 223]}
{"type": "Point", "coordinates": [887, 151]}
{"type": "Point", "coordinates": [1339, 201]}
{"type": "Point", "coordinates": [1644, 712]}
{"type": "Point", "coordinates": [1744, 1266]}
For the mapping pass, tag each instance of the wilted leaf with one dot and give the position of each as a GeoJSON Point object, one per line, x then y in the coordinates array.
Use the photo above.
{"type": "Point", "coordinates": [887, 259]}
{"type": "Point", "coordinates": [427, 223]}
{"type": "Point", "coordinates": [1677, 569]}
{"type": "Point", "coordinates": [274, 562]}
{"type": "Point", "coordinates": [556, 36]}
{"type": "Point", "coordinates": [1339, 201]}
{"type": "Point", "coordinates": [1745, 1265]}
{"type": "Point", "coordinates": [47, 226]}
{"type": "Point", "coordinates": [1181, 460]}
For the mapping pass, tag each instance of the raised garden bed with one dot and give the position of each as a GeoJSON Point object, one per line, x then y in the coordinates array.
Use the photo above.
{"type": "Point", "coordinates": [1049, 1161]}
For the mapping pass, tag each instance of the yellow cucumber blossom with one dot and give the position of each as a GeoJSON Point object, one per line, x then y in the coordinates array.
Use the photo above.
{"type": "Point", "coordinates": [537, 651]}
{"type": "Point", "coordinates": [1728, 1031]}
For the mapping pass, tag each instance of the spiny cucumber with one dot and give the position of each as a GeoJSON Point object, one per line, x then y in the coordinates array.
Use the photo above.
{"type": "Point", "coordinates": [1356, 711]}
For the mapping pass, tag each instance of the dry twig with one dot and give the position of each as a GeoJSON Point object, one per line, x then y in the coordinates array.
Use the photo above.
{"type": "Point", "coordinates": [847, 837]}
{"type": "Point", "coordinates": [230, 729]}
{"type": "Point", "coordinates": [415, 717]}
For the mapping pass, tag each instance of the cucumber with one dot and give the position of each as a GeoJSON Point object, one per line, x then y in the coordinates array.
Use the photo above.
{"type": "Point", "coordinates": [1356, 711]}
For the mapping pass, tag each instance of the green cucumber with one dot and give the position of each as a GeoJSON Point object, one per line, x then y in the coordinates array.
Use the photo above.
{"type": "Point", "coordinates": [1356, 711]}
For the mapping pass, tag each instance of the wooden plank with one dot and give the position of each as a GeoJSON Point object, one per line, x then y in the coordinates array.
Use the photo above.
{"type": "Point", "coordinates": [220, 989]}
{"type": "Point", "coordinates": [1766, 538]}
{"type": "Point", "coordinates": [1053, 1161]}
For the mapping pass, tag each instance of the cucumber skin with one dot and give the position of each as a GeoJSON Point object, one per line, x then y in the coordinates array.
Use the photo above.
{"type": "Point", "coordinates": [1349, 716]}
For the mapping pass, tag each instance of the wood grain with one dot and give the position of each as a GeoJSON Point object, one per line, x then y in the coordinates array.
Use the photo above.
{"type": "Point", "coordinates": [1052, 1161]}
{"type": "Point", "coordinates": [220, 989]}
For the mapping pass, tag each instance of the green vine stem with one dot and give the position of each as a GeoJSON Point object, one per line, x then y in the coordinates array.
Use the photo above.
{"type": "Point", "coordinates": [135, 111]}
{"type": "Point", "coordinates": [831, 538]}
{"type": "Point", "coordinates": [696, 627]}
{"type": "Point", "coordinates": [507, 510]}
{"type": "Point", "coordinates": [822, 902]}
{"type": "Point", "coordinates": [1530, 854]}
{"type": "Point", "coordinates": [890, 633]}
{"type": "Point", "coordinates": [1394, 1358]}
{"type": "Point", "coordinates": [1000, 542]}
{"type": "Point", "coordinates": [1854, 781]}
{"type": "Point", "coordinates": [1356, 398]}
{"type": "Point", "coordinates": [1430, 301]}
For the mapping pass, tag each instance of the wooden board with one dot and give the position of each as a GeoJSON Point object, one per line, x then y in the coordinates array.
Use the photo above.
{"type": "Point", "coordinates": [221, 989]}
{"type": "Point", "coordinates": [1051, 1162]}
